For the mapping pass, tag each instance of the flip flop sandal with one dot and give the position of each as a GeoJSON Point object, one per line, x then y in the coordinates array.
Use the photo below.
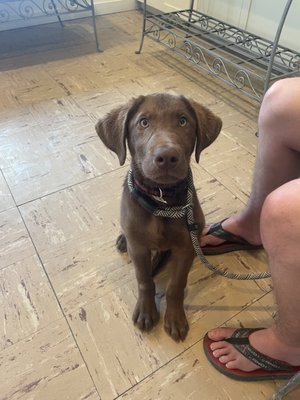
{"type": "Point", "coordinates": [270, 368]}
{"type": "Point", "coordinates": [232, 242]}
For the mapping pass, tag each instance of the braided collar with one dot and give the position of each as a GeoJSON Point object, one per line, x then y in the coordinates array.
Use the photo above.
{"type": "Point", "coordinates": [157, 205]}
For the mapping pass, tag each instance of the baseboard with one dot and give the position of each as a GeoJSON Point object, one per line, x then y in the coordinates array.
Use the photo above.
{"type": "Point", "coordinates": [113, 6]}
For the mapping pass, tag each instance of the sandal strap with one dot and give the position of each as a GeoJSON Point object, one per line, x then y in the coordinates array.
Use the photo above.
{"type": "Point", "coordinates": [218, 231]}
{"type": "Point", "coordinates": [240, 341]}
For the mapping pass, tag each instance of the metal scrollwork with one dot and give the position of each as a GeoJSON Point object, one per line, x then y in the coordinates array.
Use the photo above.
{"type": "Point", "coordinates": [203, 22]}
{"type": "Point", "coordinates": [27, 9]}
{"type": "Point", "coordinates": [240, 79]}
{"type": "Point", "coordinates": [197, 55]}
{"type": "Point", "coordinates": [172, 41]}
{"type": "Point", "coordinates": [294, 62]}
{"type": "Point", "coordinates": [4, 15]}
{"type": "Point", "coordinates": [240, 37]}
{"type": "Point", "coordinates": [218, 66]}
{"type": "Point", "coordinates": [70, 5]}
{"type": "Point", "coordinates": [48, 7]}
{"type": "Point", "coordinates": [156, 33]}
{"type": "Point", "coordinates": [175, 18]}
{"type": "Point", "coordinates": [188, 50]}
{"type": "Point", "coordinates": [221, 29]}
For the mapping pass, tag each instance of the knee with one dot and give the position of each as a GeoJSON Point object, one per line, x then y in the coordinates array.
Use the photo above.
{"type": "Point", "coordinates": [280, 215]}
{"type": "Point", "coordinates": [281, 102]}
{"type": "Point", "coordinates": [274, 210]}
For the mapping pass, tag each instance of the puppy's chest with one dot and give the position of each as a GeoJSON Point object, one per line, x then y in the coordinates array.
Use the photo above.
{"type": "Point", "coordinates": [161, 234]}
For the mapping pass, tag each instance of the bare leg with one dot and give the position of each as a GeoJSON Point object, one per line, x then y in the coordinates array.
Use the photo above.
{"type": "Point", "coordinates": [280, 233]}
{"type": "Point", "coordinates": [278, 158]}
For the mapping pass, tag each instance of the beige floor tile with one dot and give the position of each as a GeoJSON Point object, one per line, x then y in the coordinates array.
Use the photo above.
{"type": "Point", "coordinates": [46, 365]}
{"type": "Point", "coordinates": [35, 142]}
{"type": "Point", "coordinates": [15, 243]}
{"type": "Point", "coordinates": [6, 199]}
{"type": "Point", "coordinates": [182, 378]}
{"type": "Point", "coordinates": [229, 115]}
{"type": "Point", "coordinates": [86, 270]}
{"type": "Point", "coordinates": [8, 100]}
{"type": "Point", "coordinates": [27, 301]}
{"type": "Point", "coordinates": [52, 114]}
{"type": "Point", "coordinates": [244, 134]}
{"type": "Point", "coordinates": [210, 191]}
{"type": "Point", "coordinates": [32, 84]}
{"type": "Point", "coordinates": [231, 165]}
{"type": "Point", "coordinates": [89, 210]}
{"type": "Point", "coordinates": [35, 165]}
{"type": "Point", "coordinates": [118, 355]}
{"type": "Point", "coordinates": [13, 119]}
{"type": "Point", "coordinates": [76, 241]}
{"type": "Point", "coordinates": [97, 103]}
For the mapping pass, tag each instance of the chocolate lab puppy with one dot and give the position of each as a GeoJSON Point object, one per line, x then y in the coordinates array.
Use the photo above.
{"type": "Point", "coordinates": [161, 131]}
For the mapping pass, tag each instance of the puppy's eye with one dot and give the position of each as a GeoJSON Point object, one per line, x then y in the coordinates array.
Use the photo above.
{"type": "Point", "coordinates": [144, 123]}
{"type": "Point", "coordinates": [182, 121]}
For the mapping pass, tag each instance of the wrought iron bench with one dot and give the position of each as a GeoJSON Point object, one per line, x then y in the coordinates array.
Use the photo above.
{"type": "Point", "coordinates": [15, 13]}
{"type": "Point", "coordinates": [242, 59]}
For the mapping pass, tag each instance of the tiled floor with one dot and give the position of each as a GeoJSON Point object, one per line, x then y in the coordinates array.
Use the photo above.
{"type": "Point", "coordinates": [66, 294]}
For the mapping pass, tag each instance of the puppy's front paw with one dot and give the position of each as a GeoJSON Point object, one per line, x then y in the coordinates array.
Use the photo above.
{"type": "Point", "coordinates": [121, 243]}
{"type": "Point", "coordinates": [176, 324]}
{"type": "Point", "coordinates": [145, 315]}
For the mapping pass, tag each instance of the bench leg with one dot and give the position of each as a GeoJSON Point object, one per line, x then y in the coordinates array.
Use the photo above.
{"type": "Point", "coordinates": [57, 13]}
{"type": "Point", "coordinates": [95, 26]}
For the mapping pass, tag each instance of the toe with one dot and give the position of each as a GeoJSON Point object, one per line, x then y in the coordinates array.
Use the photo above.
{"type": "Point", "coordinates": [218, 345]}
{"type": "Point", "coordinates": [220, 352]}
{"type": "Point", "coordinates": [231, 364]}
{"type": "Point", "coordinates": [226, 359]}
{"type": "Point", "coordinates": [220, 333]}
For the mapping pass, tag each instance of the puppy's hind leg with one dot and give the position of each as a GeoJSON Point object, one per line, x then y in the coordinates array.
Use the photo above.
{"type": "Point", "coordinates": [121, 243]}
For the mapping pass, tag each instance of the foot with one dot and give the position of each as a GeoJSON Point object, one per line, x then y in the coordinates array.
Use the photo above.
{"type": "Point", "coordinates": [237, 225]}
{"type": "Point", "coordinates": [264, 340]}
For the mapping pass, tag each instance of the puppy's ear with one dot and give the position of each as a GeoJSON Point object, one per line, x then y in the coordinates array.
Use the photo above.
{"type": "Point", "coordinates": [208, 127]}
{"type": "Point", "coordinates": [113, 128]}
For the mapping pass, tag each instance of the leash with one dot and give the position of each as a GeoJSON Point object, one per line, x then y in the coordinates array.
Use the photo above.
{"type": "Point", "coordinates": [193, 227]}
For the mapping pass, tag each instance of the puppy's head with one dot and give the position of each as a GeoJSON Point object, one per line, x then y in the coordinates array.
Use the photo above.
{"type": "Point", "coordinates": [162, 131]}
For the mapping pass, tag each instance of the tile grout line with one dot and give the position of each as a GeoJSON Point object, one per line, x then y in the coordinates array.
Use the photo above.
{"type": "Point", "coordinates": [59, 304]}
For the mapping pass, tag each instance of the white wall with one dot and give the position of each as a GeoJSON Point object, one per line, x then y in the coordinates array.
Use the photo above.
{"type": "Point", "coordinates": [265, 15]}
{"type": "Point", "coordinates": [168, 5]}
{"type": "Point", "coordinates": [234, 12]}
{"type": "Point", "coordinates": [259, 17]}
{"type": "Point", "coordinates": [112, 6]}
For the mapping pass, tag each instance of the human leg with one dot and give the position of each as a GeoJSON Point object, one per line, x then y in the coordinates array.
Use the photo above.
{"type": "Point", "coordinates": [280, 233]}
{"type": "Point", "coordinates": [278, 158]}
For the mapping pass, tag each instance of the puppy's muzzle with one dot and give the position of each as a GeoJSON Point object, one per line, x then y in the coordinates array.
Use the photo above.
{"type": "Point", "coordinates": [166, 157]}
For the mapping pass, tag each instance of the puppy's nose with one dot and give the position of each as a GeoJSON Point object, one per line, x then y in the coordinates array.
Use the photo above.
{"type": "Point", "coordinates": [166, 157]}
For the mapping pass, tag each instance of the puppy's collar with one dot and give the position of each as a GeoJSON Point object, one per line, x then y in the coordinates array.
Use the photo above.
{"type": "Point", "coordinates": [161, 194]}
{"type": "Point", "coordinates": [160, 209]}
